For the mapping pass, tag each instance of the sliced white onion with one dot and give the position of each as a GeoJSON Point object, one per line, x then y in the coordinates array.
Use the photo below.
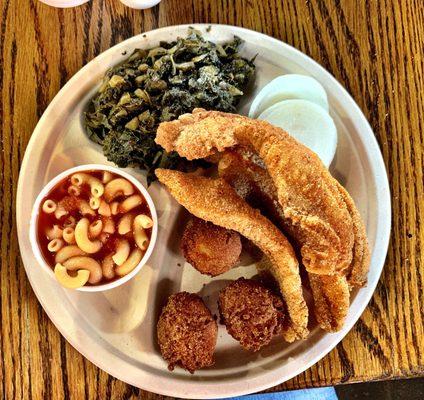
{"type": "Point", "coordinates": [308, 123]}
{"type": "Point", "coordinates": [286, 87]}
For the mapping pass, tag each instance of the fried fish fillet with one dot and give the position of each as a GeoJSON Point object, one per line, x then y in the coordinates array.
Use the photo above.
{"type": "Point", "coordinates": [331, 300]}
{"type": "Point", "coordinates": [358, 270]}
{"type": "Point", "coordinates": [313, 206]}
{"type": "Point", "coordinates": [215, 201]}
{"type": "Point", "coordinates": [330, 292]}
{"type": "Point", "coordinates": [254, 184]}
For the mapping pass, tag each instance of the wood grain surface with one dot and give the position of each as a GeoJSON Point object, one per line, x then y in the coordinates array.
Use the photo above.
{"type": "Point", "coordinates": [374, 48]}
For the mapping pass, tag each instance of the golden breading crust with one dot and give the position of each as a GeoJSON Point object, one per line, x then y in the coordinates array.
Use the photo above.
{"type": "Point", "coordinates": [331, 300]}
{"type": "Point", "coordinates": [358, 270]}
{"type": "Point", "coordinates": [313, 206]}
{"type": "Point", "coordinates": [215, 201]}
{"type": "Point", "coordinates": [253, 183]}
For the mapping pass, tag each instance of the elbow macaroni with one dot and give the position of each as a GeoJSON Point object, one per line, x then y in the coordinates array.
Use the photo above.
{"type": "Point", "coordinates": [87, 263]}
{"type": "Point", "coordinates": [71, 282]}
{"type": "Point", "coordinates": [122, 251]}
{"type": "Point", "coordinates": [55, 245]}
{"type": "Point", "coordinates": [107, 177]}
{"type": "Point", "coordinates": [95, 229]}
{"type": "Point", "coordinates": [68, 252]}
{"type": "Point", "coordinates": [117, 187]}
{"type": "Point", "coordinates": [96, 186]}
{"type": "Point", "coordinates": [145, 221]}
{"type": "Point", "coordinates": [104, 209]}
{"type": "Point", "coordinates": [108, 267]}
{"type": "Point", "coordinates": [140, 235]}
{"type": "Point", "coordinates": [125, 224]}
{"type": "Point", "coordinates": [114, 208]}
{"type": "Point", "coordinates": [130, 202]}
{"type": "Point", "coordinates": [69, 235]}
{"type": "Point", "coordinates": [49, 206]}
{"type": "Point", "coordinates": [60, 211]}
{"type": "Point", "coordinates": [94, 203]}
{"type": "Point", "coordinates": [108, 225]}
{"type": "Point", "coordinates": [82, 239]}
{"type": "Point", "coordinates": [69, 222]}
{"type": "Point", "coordinates": [132, 261]}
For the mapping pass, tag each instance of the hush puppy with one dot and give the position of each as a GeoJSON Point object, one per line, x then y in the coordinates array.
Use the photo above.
{"type": "Point", "coordinates": [187, 332]}
{"type": "Point", "coordinates": [210, 249]}
{"type": "Point", "coordinates": [251, 312]}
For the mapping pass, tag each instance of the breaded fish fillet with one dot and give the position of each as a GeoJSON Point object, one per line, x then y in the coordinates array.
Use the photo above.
{"type": "Point", "coordinates": [215, 201]}
{"type": "Point", "coordinates": [358, 270]}
{"type": "Point", "coordinates": [331, 300]}
{"type": "Point", "coordinates": [313, 206]}
{"type": "Point", "coordinates": [253, 183]}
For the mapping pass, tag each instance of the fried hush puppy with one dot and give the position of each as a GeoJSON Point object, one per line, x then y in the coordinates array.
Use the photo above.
{"type": "Point", "coordinates": [210, 249]}
{"type": "Point", "coordinates": [251, 313]}
{"type": "Point", "coordinates": [187, 332]}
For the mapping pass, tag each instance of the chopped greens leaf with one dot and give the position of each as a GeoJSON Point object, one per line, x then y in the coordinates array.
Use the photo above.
{"type": "Point", "coordinates": [160, 84]}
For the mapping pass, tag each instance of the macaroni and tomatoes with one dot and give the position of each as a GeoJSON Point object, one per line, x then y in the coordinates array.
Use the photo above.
{"type": "Point", "coordinates": [93, 227]}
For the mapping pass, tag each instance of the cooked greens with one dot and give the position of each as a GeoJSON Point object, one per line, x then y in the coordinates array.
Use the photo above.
{"type": "Point", "coordinates": [160, 84]}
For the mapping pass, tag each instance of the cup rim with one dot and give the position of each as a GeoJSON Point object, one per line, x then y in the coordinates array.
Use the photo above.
{"type": "Point", "coordinates": [140, 4]}
{"type": "Point", "coordinates": [51, 184]}
{"type": "Point", "coordinates": [64, 3]}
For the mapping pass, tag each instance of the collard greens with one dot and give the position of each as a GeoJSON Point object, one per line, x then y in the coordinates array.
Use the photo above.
{"type": "Point", "coordinates": [158, 85]}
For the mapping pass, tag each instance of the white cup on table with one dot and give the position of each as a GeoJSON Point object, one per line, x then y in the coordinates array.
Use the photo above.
{"type": "Point", "coordinates": [139, 4]}
{"type": "Point", "coordinates": [64, 3]}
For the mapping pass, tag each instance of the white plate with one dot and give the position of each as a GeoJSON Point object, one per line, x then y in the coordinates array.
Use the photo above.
{"type": "Point", "coordinates": [116, 329]}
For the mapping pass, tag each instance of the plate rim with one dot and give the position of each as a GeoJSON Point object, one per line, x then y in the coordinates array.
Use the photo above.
{"type": "Point", "coordinates": [382, 234]}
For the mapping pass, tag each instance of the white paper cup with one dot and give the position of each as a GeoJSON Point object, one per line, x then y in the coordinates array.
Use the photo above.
{"type": "Point", "coordinates": [46, 190]}
{"type": "Point", "coordinates": [140, 4]}
{"type": "Point", "coordinates": [64, 3]}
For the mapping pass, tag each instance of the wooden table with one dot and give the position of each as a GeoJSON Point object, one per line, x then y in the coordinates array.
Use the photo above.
{"type": "Point", "coordinates": [374, 48]}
